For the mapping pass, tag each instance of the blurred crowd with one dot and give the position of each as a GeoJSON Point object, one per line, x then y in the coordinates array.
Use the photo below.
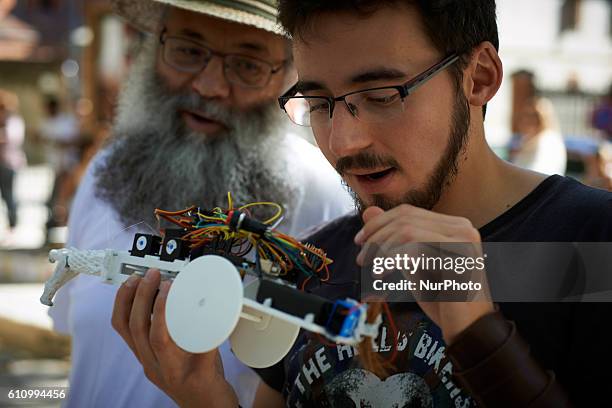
{"type": "Point", "coordinates": [540, 145]}
{"type": "Point", "coordinates": [66, 152]}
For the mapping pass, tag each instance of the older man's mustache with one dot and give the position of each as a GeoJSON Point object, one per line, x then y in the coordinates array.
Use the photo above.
{"type": "Point", "coordinates": [183, 101]}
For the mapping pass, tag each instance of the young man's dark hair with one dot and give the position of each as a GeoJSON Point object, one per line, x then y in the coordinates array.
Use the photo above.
{"type": "Point", "coordinates": [454, 26]}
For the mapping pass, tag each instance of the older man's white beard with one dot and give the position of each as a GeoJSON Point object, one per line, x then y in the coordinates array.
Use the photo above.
{"type": "Point", "coordinates": [154, 161]}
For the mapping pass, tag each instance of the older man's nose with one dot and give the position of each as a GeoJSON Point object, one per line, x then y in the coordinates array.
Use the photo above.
{"type": "Point", "coordinates": [211, 82]}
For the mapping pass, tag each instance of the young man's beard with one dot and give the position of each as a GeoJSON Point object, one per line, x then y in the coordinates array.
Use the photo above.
{"type": "Point", "coordinates": [155, 161]}
{"type": "Point", "coordinates": [444, 172]}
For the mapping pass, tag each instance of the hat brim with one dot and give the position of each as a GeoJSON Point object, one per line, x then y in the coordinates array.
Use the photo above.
{"type": "Point", "coordinates": [145, 15]}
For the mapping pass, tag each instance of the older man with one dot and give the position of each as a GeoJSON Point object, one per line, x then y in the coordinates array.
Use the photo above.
{"type": "Point", "coordinates": [197, 118]}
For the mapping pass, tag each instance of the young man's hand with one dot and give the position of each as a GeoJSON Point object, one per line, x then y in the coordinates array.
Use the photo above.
{"type": "Point", "coordinates": [192, 380]}
{"type": "Point", "coordinates": [406, 224]}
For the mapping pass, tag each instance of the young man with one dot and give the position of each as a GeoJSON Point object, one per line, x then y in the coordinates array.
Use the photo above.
{"type": "Point", "coordinates": [198, 117]}
{"type": "Point", "coordinates": [395, 92]}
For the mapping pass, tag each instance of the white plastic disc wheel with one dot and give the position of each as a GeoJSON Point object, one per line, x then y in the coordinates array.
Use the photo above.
{"type": "Point", "coordinates": [204, 304]}
{"type": "Point", "coordinates": [264, 343]}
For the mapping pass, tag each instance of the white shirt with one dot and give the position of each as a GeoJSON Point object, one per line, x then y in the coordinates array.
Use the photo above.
{"type": "Point", "coordinates": [62, 128]}
{"type": "Point", "coordinates": [544, 153]}
{"type": "Point", "coordinates": [11, 151]}
{"type": "Point", "coordinates": [104, 372]}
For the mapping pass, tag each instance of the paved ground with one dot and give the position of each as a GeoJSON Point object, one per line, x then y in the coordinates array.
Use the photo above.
{"type": "Point", "coordinates": [20, 303]}
{"type": "Point", "coordinates": [33, 375]}
{"type": "Point", "coordinates": [31, 355]}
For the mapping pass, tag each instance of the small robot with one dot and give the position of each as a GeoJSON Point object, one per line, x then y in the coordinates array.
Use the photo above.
{"type": "Point", "coordinates": [211, 299]}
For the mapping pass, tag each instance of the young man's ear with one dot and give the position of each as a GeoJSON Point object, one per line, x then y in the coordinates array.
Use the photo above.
{"type": "Point", "coordinates": [483, 75]}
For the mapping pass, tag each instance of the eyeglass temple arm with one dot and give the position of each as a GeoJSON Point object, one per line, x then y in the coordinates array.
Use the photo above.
{"type": "Point", "coordinates": [291, 92]}
{"type": "Point", "coordinates": [427, 75]}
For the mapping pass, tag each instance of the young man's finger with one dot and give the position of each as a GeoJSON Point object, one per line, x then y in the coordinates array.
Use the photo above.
{"type": "Point", "coordinates": [140, 316]}
{"type": "Point", "coordinates": [378, 219]}
{"type": "Point", "coordinates": [170, 357]}
{"type": "Point", "coordinates": [392, 237]}
{"type": "Point", "coordinates": [122, 309]}
{"type": "Point", "coordinates": [371, 212]}
{"type": "Point", "coordinates": [374, 223]}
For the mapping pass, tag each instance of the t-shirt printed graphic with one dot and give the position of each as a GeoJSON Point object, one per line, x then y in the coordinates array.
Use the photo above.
{"type": "Point", "coordinates": [332, 376]}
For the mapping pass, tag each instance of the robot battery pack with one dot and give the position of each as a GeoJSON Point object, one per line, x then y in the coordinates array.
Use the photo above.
{"type": "Point", "coordinates": [327, 313]}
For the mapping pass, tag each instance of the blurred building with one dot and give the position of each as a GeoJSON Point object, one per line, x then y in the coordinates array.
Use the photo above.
{"type": "Point", "coordinates": [567, 46]}
{"type": "Point", "coordinates": [75, 51]}
{"type": "Point", "coordinates": [72, 49]}
{"type": "Point", "coordinates": [18, 40]}
{"type": "Point", "coordinates": [31, 47]}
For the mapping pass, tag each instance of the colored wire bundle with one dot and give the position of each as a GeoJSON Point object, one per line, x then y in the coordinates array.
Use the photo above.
{"type": "Point", "coordinates": [236, 232]}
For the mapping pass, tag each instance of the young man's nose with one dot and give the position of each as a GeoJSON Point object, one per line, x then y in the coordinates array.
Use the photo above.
{"type": "Point", "coordinates": [347, 134]}
{"type": "Point", "coordinates": [211, 82]}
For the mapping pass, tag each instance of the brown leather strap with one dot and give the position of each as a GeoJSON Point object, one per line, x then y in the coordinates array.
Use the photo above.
{"type": "Point", "coordinates": [492, 362]}
{"type": "Point", "coordinates": [480, 340]}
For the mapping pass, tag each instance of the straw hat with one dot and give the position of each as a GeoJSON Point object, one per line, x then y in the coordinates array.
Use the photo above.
{"type": "Point", "coordinates": [146, 14]}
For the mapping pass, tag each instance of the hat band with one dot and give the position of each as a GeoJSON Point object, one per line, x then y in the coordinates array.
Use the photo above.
{"type": "Point", "coordinates": [267, 11]}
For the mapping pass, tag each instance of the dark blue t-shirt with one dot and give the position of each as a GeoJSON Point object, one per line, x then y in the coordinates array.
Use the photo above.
{"type": "Point", "coordinates": [570, 339]}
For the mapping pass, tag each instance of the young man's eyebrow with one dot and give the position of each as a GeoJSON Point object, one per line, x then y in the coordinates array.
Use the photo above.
{"type": "Point", "coordinates": [305, 86]}
{"type": "Point", "coordinates": [377, 74]}
{"type": "Point", "coordinates": [370, 75]}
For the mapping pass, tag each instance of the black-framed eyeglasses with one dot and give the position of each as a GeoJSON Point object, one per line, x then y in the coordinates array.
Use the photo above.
{"type": "Point", "coordinates": [371, 105]}
{"type": "Point", "coordinates": [190, 56]}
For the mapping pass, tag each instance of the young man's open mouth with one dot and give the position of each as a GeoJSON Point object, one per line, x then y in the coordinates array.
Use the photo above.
{"type": "Point", "coordinates": [374, 181]}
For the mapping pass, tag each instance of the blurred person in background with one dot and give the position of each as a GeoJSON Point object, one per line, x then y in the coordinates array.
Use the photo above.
{"type": "Point", "coordinates": [599, 168]}
{"type": "Point", "coordinates": [539, 145]}
{"type": "Point", "coordinates": [602, 115]}
{"type": "Point", "coordinates": [197, 117]}
{"type": "Point", "coordinates": [60, 134]}
{"type": "Point", "coordinates": [12, 157]}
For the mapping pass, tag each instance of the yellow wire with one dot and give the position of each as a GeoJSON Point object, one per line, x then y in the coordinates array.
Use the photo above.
{"type": "Point", "coordinates": [224, 232]}
{"type": "Point", "coordinates": [279, 209]}
{"type": "Point", "coordinates": [273, 251]}
{"type": "Point", "coordinates": [206, 217]}
{"type": "Point", "coordinates": [288, 243]}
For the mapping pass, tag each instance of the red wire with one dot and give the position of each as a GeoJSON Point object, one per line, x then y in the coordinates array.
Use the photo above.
{"type": "Point", "coordinates": [303, 285]}
{"type": "Point", "coordinates": [394, 331]}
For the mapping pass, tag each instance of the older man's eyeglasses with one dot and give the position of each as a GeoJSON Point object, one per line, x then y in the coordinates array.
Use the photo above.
{"type": "Point", "coordinates": [368, 105]}
{"type": "Point", "coordinates": [189, 56]}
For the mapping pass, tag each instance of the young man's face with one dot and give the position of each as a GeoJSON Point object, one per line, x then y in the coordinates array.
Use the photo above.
{"type": "Point", "coordinates": [406, 159]}
{"type": "Point", "coordinates": [211, 83]}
